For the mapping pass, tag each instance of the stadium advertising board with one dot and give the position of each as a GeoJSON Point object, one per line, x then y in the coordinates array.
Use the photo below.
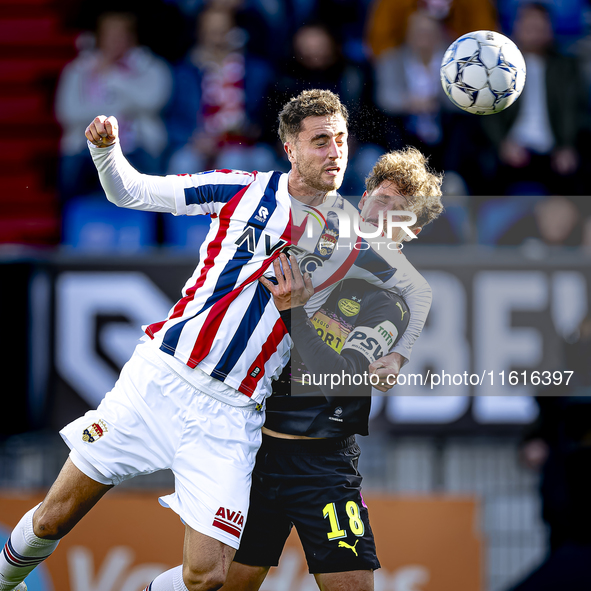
{"type": "Point", "coordinates": [426, 544]}
{"type": "Point", "coordinates": [492, 337]}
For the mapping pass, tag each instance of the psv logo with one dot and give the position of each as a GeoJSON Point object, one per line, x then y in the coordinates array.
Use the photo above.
{"type": "Point", "coordinates": [229, 521]}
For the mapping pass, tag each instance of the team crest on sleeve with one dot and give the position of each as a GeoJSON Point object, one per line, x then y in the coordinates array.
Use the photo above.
{"type": "Point", "coordinates": [229, 521]}
{"type": "Point", "coordinates": [94, 432]}
{"type": "Point", "coordinates": [327, 242]}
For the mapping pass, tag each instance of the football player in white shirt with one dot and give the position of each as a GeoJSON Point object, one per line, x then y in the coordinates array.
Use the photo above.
{"type": "Point", "coordinates": [188, 367]}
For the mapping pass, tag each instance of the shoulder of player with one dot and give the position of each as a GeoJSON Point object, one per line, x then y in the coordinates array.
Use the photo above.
{"type": "Point", "coordinates": [227, 178]}
{"type": "Point", "coordinates": [395, 259]}
{"type": "Point", "coordinates": [219, 176]}
{"type": "Point", "coordinates": [380, 299]}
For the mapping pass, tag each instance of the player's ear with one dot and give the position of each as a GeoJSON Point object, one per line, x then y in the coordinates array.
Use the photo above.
{"type": "Point", "coordinates": [415, 231]}
{"type": "Point", "coordinates": [287, 146]}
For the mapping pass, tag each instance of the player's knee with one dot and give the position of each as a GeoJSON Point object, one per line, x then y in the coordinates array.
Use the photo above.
{"type": "Point", "coordinates": [205, 580]}
{"type": "Point", "coordinates": [47, 526]}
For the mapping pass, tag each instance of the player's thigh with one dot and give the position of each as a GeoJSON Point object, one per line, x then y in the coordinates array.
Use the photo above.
{"type": "Point", "coordinates": [213, 468]}
{"type": "Point", "coordinates": [70, 498]}
{"type": "Point", "coordinates": [244, 577]}
{"type": "Point", "coordinates": [331, 517]}
{"type": "Point", "coordinates": [137, 427]}
{"type": "Point", "coordinates": [267, 524]}
{"type": "Point", "coordinates": [358, 580]}
{"type": "Point", "coordinates": [206, 561]}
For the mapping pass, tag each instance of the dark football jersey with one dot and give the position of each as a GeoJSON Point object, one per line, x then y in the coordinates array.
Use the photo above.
{"type": "Point", "coordinates": [325, 390]}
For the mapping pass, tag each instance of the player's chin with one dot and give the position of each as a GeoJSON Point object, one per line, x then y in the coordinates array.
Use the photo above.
{"type": "Point", "coordinates": [333, 182]}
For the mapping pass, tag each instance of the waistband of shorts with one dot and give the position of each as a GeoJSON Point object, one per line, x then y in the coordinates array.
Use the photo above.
{"type": "Point", "coordinates": [152, 356]}
{"type": "Point", "coordinates": [307, 446]}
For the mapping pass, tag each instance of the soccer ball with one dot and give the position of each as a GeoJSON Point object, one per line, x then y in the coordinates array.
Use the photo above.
{"type": "Point", "coordinates": [483, 72]}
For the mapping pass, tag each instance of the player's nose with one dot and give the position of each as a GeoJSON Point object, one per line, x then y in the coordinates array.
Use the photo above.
{"type": "Point", "coordinates": [335, 150]}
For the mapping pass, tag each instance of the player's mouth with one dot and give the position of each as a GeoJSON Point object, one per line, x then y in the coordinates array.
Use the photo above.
{"type": "Point", "coordinates": [332, 170]}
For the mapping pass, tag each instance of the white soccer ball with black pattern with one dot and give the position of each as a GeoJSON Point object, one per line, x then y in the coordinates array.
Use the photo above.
{"type": "Point", "coordinates": [483, 72]}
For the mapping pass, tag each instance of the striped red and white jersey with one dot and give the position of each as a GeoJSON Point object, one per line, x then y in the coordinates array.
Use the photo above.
{"type": "Point", "coordinates": [226, 323]}
{"type": "Point", "coordinates": [223, 323]}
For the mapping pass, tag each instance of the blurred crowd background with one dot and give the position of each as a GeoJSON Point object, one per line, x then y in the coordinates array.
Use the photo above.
{"type": "Point", "coordinates": [197, 84]}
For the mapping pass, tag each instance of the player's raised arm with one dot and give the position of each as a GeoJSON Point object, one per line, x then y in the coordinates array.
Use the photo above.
{"type": "Point", "coordinates": [103, 131]}
{"type": "Point", "coordinates": [177, 194]}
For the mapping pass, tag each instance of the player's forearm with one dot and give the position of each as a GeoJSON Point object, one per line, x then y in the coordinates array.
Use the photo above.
{"type": "Point", "coordinates": [320, 359]}
{"type": "Point", "coordinates": [126, 187]}
{"type": "Point", "coordinates": [419, 302]}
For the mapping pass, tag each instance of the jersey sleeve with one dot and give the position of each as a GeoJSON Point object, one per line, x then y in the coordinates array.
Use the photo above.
{"type": "Point", "coordinates": [382, 321]}
{"type": "Point", "coordinates": [391, 270]}
{"type": "Point", "coordinates": [192, 194]}
{"type": "Point", "coordinates": [418, 296]}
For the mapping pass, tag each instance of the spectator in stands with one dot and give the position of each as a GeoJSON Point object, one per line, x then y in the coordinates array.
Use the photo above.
{"type": "Point", "coordinates": [536, 139]}
{"type": "Point", "coordinates": [346, 20]}
{"type": "Point", "coordinates": [559, 445]}
{"type": "Point", "coordinates": [408, 84]}
{"type": "Point", "coordinates": [409, 93]}
{"type": "Point", "coordinates": [386, 26]}
{"type": "Point", "coordinates": [218, 100]}
{"type": "Point", "coordinates": [553, 221]}
{"type": "Point", "coordinates": [317, 62]}
{"type": "Point", "coordinates": [568, 18]}
{"type": "Point", "coordinates": [116, 76]}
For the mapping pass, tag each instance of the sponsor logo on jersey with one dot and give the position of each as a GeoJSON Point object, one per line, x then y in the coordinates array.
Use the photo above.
{"type": "Point", "coordinates": [388, 331]}
{"type": "Point", "coordinates": [338, 411]}
{"type": "Point", "coordinates": [262, 214]}
{"type": "Point", "coordinates": [372, 342]}
{"type": "Point", "coordinates": [229, 521]}
{"type": "Point", "coordinates": [349, 307]}
{"type": "Point", "coordinates": [331, 329]}
{"type": "Point", "coordinates": [249, 238]}
{"type": "Point", "coordinates": [345, 545]}
{"type": "Point", "coordinates": [403, 312]}
{"type": "Point", "coordinates": [94, 432]}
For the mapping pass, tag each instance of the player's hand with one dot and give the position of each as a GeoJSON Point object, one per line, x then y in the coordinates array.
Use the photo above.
{"type": "Point", "coordinates": [292, 289]}
{"type": "Point", "coordinates": [387, 368]}
{"type": "Point", "coordinates": [103, 131]}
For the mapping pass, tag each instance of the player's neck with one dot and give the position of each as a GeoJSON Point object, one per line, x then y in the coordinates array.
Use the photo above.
{"type": "Point", "coordinates": [301, 191]}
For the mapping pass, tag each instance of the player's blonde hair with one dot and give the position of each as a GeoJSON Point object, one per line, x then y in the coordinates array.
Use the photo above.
{"type": "Point", "coordinates": [409, 171]}
{"type": "Point", "coordinates": [309, 103]}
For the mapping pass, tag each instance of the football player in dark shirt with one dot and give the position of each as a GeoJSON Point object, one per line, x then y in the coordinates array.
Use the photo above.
{"type": "Point", "coordinates": [306, 470]}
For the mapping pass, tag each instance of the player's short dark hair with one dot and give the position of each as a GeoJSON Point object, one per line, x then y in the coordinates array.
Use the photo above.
{"type": "Point", "coordinates": [309, 103]}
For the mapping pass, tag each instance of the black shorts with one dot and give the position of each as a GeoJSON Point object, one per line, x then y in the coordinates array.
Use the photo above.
{"type": "Point", "coordinates": [313, 485]}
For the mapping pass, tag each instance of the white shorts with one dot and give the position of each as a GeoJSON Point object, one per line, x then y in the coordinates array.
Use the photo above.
{"type": "Point", "coordinates": [153, 420]}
